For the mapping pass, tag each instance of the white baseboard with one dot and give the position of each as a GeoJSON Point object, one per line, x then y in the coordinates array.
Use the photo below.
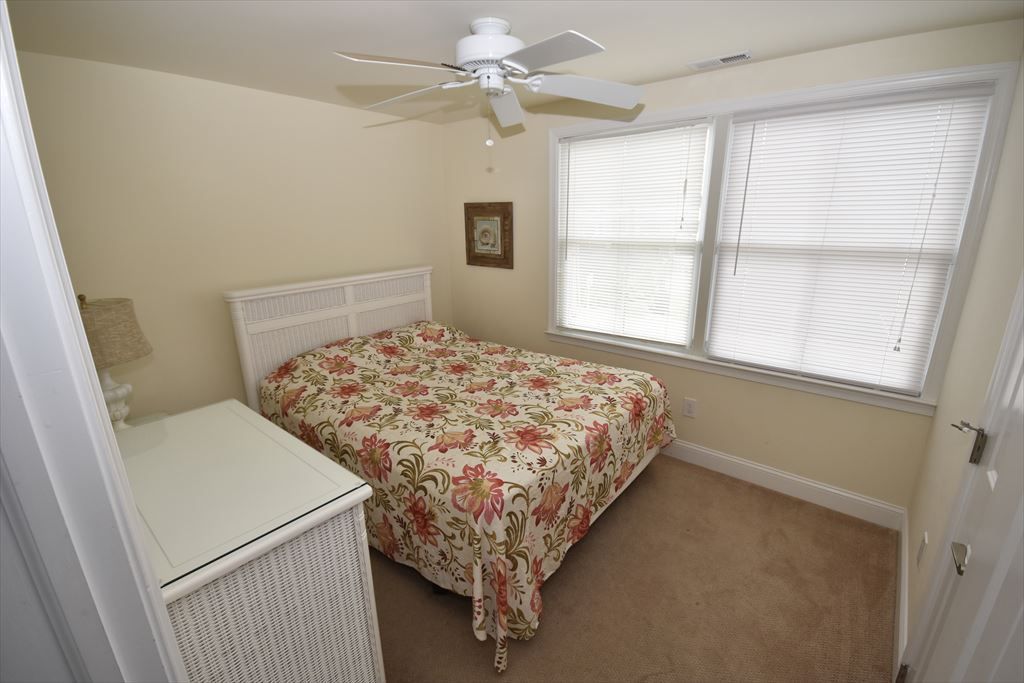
{"type": "Point", "coordinates": [854, 504]}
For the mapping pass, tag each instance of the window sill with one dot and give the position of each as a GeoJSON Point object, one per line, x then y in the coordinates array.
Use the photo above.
{"type": "Point", "coordinates": [634, 349]}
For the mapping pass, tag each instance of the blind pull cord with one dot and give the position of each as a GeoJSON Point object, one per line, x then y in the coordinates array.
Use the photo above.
{"type": "Point", "coordinates": [924, 234]}
{"type": "Point", "coordinates": [686, 178]}
{"type": "Point", "coordinates": [568, 181]}
{"type": "Point", "coordinates": [743, 205]}
{"type": "Point", "coordinates": [682, 211]}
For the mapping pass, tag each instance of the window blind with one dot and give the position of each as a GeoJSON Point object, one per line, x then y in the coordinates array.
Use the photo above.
{"type": "Point", "coordinates": [629, 219]}
{"type": "Point", "coordinates": [837, 237]}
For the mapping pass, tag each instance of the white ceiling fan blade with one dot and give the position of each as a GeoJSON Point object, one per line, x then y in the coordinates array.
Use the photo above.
{"type": "Point", "coordinates": [588, 89]}
{"type": "Point", "coordinates": [414, 93]}
{"type": "Point", "coordinates": [554, 50]}
{"type": "Point", "coordinates": [394, 61]}
{"type": "Point", "coordinates": [506, 108]}
{"type": "Point", "coordinates": [450, 85]}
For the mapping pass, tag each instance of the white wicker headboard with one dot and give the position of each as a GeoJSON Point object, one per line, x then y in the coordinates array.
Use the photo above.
{"type": "Point", "coordinates": [272, 324]}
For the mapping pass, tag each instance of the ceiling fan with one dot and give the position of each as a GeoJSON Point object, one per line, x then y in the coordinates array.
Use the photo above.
{"type": "Point", "coordinates": [495, 60]}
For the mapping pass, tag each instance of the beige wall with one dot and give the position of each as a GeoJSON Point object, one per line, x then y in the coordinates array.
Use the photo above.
{"type": "Point", "coordinates": [873, 451]}
{"type": "Point", "coordinates": [993, 284]}
{"type": "Point", "coordinates": [170, 190]}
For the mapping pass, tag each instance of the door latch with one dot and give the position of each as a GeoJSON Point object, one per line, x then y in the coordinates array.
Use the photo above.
{"type": "Point", "coordinates": [980, 439]}
{"type": "Point", "coordinates": [961, 554]}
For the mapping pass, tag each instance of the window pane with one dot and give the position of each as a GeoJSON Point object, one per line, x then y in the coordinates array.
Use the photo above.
{"type": "Point", "coordinates": [837, 237]}
{"type": "Point", "coordinates": [629, 216]}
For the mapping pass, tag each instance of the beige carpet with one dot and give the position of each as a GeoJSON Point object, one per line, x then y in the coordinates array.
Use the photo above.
{"type": "Point", "coordinates": [689, 576]}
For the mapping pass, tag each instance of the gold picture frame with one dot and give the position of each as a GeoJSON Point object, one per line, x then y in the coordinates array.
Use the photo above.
{"type": "Point", "coordinates": [489, 234]}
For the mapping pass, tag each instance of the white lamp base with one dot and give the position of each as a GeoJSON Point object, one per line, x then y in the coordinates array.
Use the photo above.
{"type": "Point", "coordinates": [116, 395]}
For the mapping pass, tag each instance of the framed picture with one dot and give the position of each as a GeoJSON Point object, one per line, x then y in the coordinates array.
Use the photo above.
{"type": "Point", "coordinates": [489, 234]}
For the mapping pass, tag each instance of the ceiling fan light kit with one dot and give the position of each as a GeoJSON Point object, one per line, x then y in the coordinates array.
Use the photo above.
{"type": "Point", "coordinates": [493, 59]}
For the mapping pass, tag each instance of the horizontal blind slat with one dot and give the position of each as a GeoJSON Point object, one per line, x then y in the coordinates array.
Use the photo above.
{"type": "Point", "coordinates": [630, 210]}
{"type": "Point", "coordinates": [837, 235]}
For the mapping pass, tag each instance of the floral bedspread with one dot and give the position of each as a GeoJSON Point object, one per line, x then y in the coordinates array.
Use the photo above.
{"type": "Point", "coordinates": [487, 462]}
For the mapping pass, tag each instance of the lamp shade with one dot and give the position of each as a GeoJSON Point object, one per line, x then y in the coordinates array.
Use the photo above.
{"type": "Point", "coordinates": [114, 334]}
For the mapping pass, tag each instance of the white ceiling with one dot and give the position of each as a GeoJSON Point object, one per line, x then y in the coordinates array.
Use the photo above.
{"type": "Point", "coordinates": [286, 46]}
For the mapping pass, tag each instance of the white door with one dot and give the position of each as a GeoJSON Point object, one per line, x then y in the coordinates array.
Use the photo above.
{"type": "Point", "coordinates": [976, 631]}
{"type": "Point", "coordinates": [76, 582]}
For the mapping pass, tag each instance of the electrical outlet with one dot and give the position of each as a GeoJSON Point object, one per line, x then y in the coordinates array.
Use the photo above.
{"type": "Point", "coordinates": [690, 407]}
{"type": "Point", "coordinates": [920, 548]}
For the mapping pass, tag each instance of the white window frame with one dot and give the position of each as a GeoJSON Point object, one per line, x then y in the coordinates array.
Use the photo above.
{"type": "Point", "coordinates": [1001, 77]}
{"type": "Point", "coordinates": [666, 347]}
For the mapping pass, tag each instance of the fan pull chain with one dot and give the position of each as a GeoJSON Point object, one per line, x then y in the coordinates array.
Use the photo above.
{"type": "Point", "coordinates": [488, 140]}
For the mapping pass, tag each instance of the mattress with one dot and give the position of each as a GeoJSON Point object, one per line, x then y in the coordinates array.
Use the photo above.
{"type": "Point", "coordinates": [487, 462]}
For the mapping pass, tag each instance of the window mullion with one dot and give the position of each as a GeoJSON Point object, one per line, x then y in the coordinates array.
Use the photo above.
{"type": "Point", "coordinates": [708, 239]}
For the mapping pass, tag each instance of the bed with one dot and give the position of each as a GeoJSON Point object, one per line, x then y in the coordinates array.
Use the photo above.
{"type": "Point", "coordinates": [487, 462]}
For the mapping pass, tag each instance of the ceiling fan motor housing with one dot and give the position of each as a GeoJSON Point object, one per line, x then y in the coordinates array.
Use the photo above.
{"type": "Point", "coordinates": [494, 60]}
{"type": "Point", "coordinates": [481, 52]}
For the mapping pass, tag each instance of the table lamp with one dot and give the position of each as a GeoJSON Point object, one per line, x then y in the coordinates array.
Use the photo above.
{"type": "Point", "coordinates": [114, 338]}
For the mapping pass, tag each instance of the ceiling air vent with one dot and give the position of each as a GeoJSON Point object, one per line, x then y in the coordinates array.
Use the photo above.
{"type": "Point", "coordinates": [716, 62]}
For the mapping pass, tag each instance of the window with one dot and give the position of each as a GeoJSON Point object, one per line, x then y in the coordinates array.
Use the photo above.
{"type": "Point", "coordinates": [629, 222]}
{"type": "Point", "coordinates": [844, 222]}
{"type": "Point", "coordinates": [837, 236]}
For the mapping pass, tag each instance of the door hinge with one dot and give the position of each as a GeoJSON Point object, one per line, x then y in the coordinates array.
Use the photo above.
{"type": "Point", "coordinates": [980, 439]}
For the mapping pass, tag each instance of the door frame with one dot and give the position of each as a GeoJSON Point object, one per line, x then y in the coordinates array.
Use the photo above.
{"type": "Point", "coordinates": [930, 618]}
{"type": "Point", "coordinates": [64, 486]}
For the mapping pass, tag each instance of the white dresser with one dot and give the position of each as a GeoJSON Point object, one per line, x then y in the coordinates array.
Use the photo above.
{"type": "Point", "coordinates": [259, 545]}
